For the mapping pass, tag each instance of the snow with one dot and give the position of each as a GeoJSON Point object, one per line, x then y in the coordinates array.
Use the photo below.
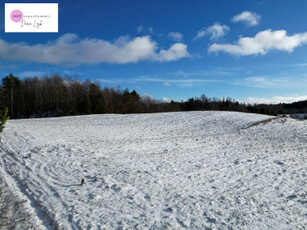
{"type": "Point", "coordinates": [14, 214]}
{"type": "Point", "coordinates": [191, 170]}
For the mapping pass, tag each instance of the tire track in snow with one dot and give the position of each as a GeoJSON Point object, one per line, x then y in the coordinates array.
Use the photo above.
{"type": "Point", "coordinates": [33, 186]}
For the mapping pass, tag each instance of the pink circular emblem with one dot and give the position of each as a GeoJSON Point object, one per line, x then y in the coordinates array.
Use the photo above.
{"type": "Point", "coordinates": [16, 15]}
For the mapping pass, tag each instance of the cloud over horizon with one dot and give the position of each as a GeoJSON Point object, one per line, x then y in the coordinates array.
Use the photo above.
{"type": "Point", "coordinates": [274, 100]}
{"type": "Point", "coordinates": [262, 43]}
{"type": "Point", "coordinates": [69, 49]}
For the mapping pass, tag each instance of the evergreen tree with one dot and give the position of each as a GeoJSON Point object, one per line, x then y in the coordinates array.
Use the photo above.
{"type": "Point", "coordinates": [4, 117]}
{"type": "Point", "coordinates": [98, 101]}
{"type": "Point", "coordinates": [11, 84]}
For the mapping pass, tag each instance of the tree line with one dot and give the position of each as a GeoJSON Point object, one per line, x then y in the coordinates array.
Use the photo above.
{"type": "Point", "coordinates": [57, 96]}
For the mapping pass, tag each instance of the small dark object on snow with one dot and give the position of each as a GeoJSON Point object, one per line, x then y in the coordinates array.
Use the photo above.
{"type": "Point", "coordinates": [82, 181]}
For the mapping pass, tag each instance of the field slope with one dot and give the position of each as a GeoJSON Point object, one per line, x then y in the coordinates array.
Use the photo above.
{"type": "Point", "coordinates": [219, 170]}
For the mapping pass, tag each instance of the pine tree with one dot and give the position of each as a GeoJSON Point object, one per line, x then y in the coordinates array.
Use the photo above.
{"type": "Point", "coordinates": [3, 119]}
{"type": "Point", "coordinates": [10, 84]}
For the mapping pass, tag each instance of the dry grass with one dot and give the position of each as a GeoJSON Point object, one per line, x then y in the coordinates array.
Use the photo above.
{"type": "Point", "coordinates": [13, 214]}
{"type": "Point", "coordinates": [264, 122]}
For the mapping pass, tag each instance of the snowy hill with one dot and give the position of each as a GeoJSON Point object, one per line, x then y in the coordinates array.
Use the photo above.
{"type": "Point", "coordinates": [219, 170]}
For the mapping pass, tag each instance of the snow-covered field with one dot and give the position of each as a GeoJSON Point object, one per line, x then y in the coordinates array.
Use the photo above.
{"type": "Point", "coordinates": [192, 170]}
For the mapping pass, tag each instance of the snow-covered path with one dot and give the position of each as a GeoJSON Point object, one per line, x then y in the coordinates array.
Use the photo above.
{"type": "Point", "coordinates": [159, 171]}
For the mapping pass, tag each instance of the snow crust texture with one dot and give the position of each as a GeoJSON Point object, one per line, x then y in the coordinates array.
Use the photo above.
{"type": "Point", "coordinates": [192, 170]}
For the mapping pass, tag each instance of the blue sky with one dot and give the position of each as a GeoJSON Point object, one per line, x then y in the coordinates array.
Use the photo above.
{"type": "Point", "coordinates": [252, 51]}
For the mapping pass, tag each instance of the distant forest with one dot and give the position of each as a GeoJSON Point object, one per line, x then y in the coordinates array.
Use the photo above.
{"type": "Point", "coordinates": [52, 96]}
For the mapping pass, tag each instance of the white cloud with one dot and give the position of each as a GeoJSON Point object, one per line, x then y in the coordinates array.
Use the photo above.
{"type": "Point", "coordinates": [145, 30]}
{"type": "Point", "coordinates": [274, 100]}
{"type": "Point", "coordinates": [169, 81]}
{"type": "Point", "coordinates": [148, 96]}
{"type": "Point", "coordinates": [251, 19]}
{"type": "Point", "coordinates": [216, 31]}
{"type": "Point", "coordinates": [300, 65]}
{"type": "Point", "coordinates": [294, 83]}
{"type": "Point", "coordinates": [150, 30]}
{"type": "Point", "coordinates": [67, 38]}
{"type": "Point", "coordinates": [175, 52]}
{"type": "Point", "coordinates": [263, 82]}
{"type": "Point", "coordinates": [214, 72]}
{"type": "Point", "coordinates": [262, 43]}
{"type": "Point", "coordinates": [180, 73]}
{"type": "Point", "coordinates": [200, 34]}
{"type": "Point", "coordinates": [111, 81]}
{"type": "Point", "coordinates": [165, 99]}
{"type": "Point", "coordinates": [69, 49]}
{"type": "Point", "coordinates": [176, 36]}
{"type": "Point", "coordinates": [32, 74]}
{"type": "Point", "coordinates": [183, 82]}
{"type": "Point", "coordinates": [139, 29]}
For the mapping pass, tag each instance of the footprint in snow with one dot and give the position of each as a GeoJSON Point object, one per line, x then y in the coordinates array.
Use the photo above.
{"type": "Point", "coordinates": [279, 163]}
{"type": "Point", "coordinates": [169, 210]}
{"type": "Point", "coordinates": [115, 188]}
